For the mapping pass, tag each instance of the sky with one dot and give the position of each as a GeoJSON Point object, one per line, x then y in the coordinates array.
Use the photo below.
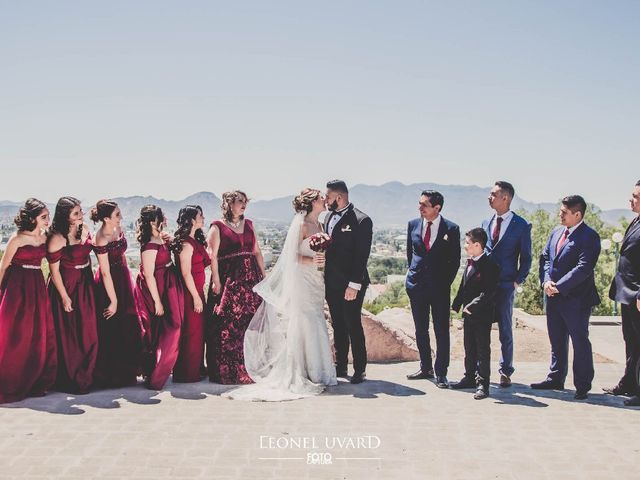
{"type": "Point", "coordinates": [168, 98]}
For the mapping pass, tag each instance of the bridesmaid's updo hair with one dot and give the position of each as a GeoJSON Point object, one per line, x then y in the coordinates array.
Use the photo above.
{"type": "Point", "coordinates": [303, 203]}
{"type": "Point", "coordinates": [60, 222]}
{"type": "Point", "coordinates": [25, 219]}
{"type": "Point", "coordinates": [103, 209]}
{"type": "Point", "coordinates": [227, 200]}
{"type": "Point", "coordinates": [149, 215]}
{"type": "Point", "coordinates": [186, 217]}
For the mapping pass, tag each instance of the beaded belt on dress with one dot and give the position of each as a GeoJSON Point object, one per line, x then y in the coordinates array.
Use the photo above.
{"type": "Point", "coordinates": [84, 265]}
{"type": "Point", "coordinates": [237, 254]}
{"type": "Point", "coordinates": [31, 267]}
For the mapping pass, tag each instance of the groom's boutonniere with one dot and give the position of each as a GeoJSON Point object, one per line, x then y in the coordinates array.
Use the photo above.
{"type": "Point", "coordinates": [346, 228]}
{"type": "Point", "coordinates": [446, 237]}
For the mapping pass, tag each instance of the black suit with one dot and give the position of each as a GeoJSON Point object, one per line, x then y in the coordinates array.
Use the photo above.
{"type": "Point", "coordinates": [346, 261]}
{"type": "Point", "coordinates": [625, 289]}
{"type": "Point", "coordinates": [477, 293]}
{"type": "Point", "coordinates": [428, 284]}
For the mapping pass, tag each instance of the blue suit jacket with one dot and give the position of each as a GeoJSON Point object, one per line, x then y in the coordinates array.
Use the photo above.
{"type": "Point", "coordinates": [573, 267]}
{"type": "Point", "coordinates": [625, 287]}
{"type": "Point", "coordinates": [437, 268]}
{"type": "Point", "coordinates": [512, 253]}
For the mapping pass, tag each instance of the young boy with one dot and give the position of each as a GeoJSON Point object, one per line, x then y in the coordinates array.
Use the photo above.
{"type": "Point", "coordinates": [476, 297]}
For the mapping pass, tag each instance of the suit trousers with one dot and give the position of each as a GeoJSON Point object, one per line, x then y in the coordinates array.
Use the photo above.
{"type": "Point", "coordinates": [631, 335]}
{"type": "Point", "coordinates": [567, 317]}
{"type": "Point", "coordinates": [504, 314]}
{"type": "Point", "coordinates": [477, 351]}
{"type": "Point", "coordinates": [424, 302]}
{"type": "Point", "coordinates": [346, 320]}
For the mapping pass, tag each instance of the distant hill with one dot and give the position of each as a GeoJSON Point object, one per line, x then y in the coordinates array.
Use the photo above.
{"type": "Point", "coordinates": [389, 205]}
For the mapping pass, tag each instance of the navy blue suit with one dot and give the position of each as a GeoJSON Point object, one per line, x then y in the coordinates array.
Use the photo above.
{"type": "Point", "coordinates": [625, 289]}
{"type": "Point", "coordinates": [428, 284]}
{"type": "Point", "coordinates": [568, 312]}
{"type": "Point", "coordinates": [512, 253]}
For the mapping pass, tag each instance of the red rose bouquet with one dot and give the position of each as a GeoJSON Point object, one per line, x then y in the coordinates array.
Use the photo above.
{"type": "Point", "coordinates": [319, 243]}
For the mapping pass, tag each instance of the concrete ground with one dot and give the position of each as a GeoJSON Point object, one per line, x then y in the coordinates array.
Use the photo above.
{"type": "Point", "coordinates": [387, 427]}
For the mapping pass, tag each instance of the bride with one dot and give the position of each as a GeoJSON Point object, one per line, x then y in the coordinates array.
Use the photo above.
{"type": "Point", "coordinates": [286, 347]}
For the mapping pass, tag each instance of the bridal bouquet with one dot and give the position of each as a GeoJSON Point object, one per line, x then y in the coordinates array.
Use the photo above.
{"type": "Point", "coordinates": [319, 242]}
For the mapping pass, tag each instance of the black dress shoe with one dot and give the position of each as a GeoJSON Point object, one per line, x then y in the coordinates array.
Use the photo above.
{"type": "Point", "coordinates": [548, 385]}
{"type": "Point", "coordinates": [341, 372]}
{"type": "Point", "coordinates": [466, 382]}
{"type": "Point", "coordinates": [481, 392]}
{"type": "Point", "coordinates": [617, 390]}
{"type": "Point", "coordinates": [358, 378]}
{"type": "Point", "coordinates": [581, 395]}
{"type": "Point", "coordinates": [442, 382]}
{"type": "Point", "coordinates": [419, 375]}
{"type": "Point", "coordinates": [633, 401]}
{"type": "Point", "coordinates": [505, 380]}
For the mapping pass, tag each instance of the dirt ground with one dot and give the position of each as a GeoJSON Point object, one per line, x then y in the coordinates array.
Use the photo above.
{"type": "Point", "coordinates": [531, 344]}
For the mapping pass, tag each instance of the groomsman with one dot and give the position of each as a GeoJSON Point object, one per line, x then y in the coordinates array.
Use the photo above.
{"type": "Point", "coordinates": [509, 246]}
{"type": "Point", "coordinates": [433, 255]}
{"type": "Point", "coordinates": [567, 277]}
{"type": "Point", "coordinates": [346, 277]}
{"type": "Point", "coordinates": [625, 289]}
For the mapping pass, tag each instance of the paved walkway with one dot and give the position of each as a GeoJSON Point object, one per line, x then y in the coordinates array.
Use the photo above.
{"type": "Point", "coordinates": [415, 431]}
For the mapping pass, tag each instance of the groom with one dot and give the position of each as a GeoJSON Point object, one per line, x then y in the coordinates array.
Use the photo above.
{"type": "Point", "coordinates": [346, 277]}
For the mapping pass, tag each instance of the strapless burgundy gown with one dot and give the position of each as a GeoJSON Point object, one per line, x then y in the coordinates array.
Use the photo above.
{"type": "Point", "coordinates": [27, 336]}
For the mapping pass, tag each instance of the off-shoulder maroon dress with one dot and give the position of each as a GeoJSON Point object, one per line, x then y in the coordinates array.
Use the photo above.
{"type": "Point", "coordinates": [120, 336]}
{"type": "Point", "coordinates": [161, 336]}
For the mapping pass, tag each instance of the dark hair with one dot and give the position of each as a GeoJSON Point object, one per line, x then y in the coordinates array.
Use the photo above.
{"type": "Point", "coordinates": [304, 201]}
{"type": "Point", "coordinates": [477, 235]}
{"type": "Point", "coordinates": [149, 214]}
{"type": "Point", "coordinates": [227, 200]}
{"type": "Point", "coordinates": [506, 187]}
{"type": "Point", "coordinates": [186, 216]}
{"type": "Point", "coordinates": [338, 186]}
{"type": "Point", "coordinates": [435, 198]}
{"type": "Point", "coordinates": [103, 209]}
{"type": "Point", "coordinates": [25, 219]}
{"type": "Point", "coordinates": [575, 203]}
{"type": "Point", "coordinates": [638, 183]}
{"type": "Point", "coordinates": [60, 222]}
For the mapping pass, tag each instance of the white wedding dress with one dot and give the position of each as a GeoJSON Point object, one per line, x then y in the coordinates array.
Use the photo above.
{"type": "Point", "coordinates": [286, 346]}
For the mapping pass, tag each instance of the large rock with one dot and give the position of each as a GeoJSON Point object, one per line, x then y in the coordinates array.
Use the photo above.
{"type": "Point", "coordinates": [387, 336]}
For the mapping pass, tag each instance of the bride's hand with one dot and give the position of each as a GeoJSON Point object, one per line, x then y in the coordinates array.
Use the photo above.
{"type": "Point", "coordinates": [319, 259]}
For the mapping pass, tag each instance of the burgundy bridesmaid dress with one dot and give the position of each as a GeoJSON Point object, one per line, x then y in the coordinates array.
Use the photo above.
{"type": "Point", "coordinates": [76, 331]}
{"type": "Point", "coordinates": [27, 334]}
{"type": "Point", "coordinates": [161, 336]}
{"type": "Point", "coordinates": [234, 308]}
{"type": "Point", "coordinates": [120, 336]}
{"type": "Point", "coordinates": [191, 354]}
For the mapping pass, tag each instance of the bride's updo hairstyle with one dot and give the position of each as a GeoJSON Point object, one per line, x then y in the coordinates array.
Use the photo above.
{"type": "Point", "coordinates": [227, 200]}
{"type": "Point", "coordinates": [25, 220]}
{"type": "Point", "coordinates": [303, 203]}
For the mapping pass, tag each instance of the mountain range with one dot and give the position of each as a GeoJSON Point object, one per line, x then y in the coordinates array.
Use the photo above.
{"type": "Point", "coordinates": [389, 205]}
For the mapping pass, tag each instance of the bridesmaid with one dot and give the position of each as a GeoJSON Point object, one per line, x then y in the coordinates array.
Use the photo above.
{"type": "Point", "coordinates": [236, 267]}
{"type": "Point", "coordinates": [72, 296]}
{"type": "Point", "coordinates": [192, 259]}
{"type": "Point", "coordinates": [159, 299]}
{"type": "Point", "coordinates": [119, 329]}
{"type": "Point", "coordinates": [27, 335]}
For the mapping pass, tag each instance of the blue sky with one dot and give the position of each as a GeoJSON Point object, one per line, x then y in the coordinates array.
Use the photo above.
{"type": "Point", "coordinates": [169, 98]}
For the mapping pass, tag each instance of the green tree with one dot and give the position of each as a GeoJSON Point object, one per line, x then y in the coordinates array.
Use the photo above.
{"type": "Point", "coordinates": [395, 296]}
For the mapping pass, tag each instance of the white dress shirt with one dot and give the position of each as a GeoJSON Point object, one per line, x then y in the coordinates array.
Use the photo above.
{"type": "Point", "coordinates": [435, 225]}
{"type": "Point", "coordinates": [506, 219]}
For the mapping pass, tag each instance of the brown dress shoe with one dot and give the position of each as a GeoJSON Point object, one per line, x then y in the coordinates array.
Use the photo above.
{"type": "Point", "coordinates": [419, 375]}
{"type": "Point", "coordinates": [505, 381]}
